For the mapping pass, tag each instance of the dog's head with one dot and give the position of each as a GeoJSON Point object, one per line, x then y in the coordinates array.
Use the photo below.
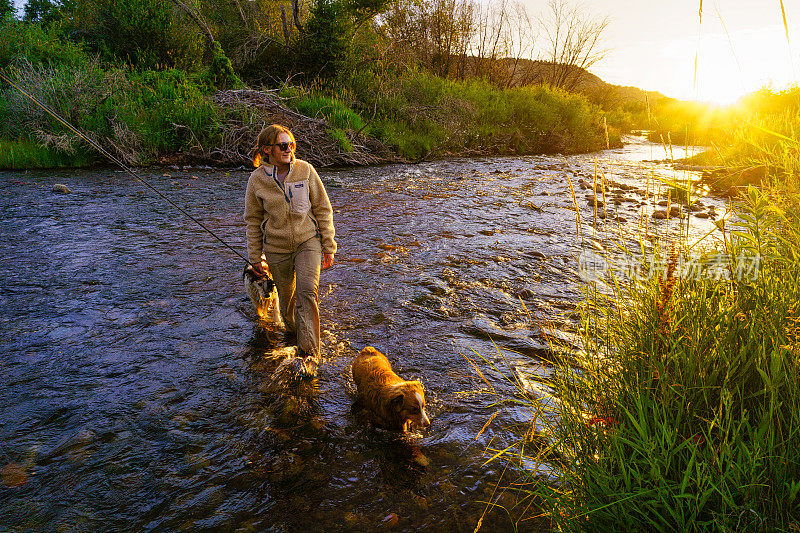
{"type": "Point", "coordinates": [408, 405]}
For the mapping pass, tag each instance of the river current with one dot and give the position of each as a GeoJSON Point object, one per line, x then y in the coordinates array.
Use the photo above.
{"type": "Point", "coordinates": [137, 388]}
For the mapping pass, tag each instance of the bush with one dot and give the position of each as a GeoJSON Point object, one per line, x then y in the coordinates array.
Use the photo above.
{"type": "Point", "coordinates": [422, 113]}
{"type": "Point", "coordinates": [21, 41]}
{"type": "Point", "coordinates": [137, 116]}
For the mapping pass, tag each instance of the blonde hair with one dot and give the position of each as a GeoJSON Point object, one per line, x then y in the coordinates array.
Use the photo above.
{"type": "Point", "coordinates": [266, 139]}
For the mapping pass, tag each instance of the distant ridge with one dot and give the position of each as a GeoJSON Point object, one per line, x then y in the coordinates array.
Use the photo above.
{"type": "Point", "coordinates": [527, 71]}
{"type": "Point", "coordinates": [520, 72]}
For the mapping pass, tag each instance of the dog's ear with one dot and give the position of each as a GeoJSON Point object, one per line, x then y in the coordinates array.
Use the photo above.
{"type": "Point", "coordinates": [397, 401]}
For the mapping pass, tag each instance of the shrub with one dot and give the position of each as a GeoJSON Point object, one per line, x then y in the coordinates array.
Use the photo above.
{"type": "Point", "coordinates": [137, 116]}
{"type": "Point", "coordinates": [21, 41]}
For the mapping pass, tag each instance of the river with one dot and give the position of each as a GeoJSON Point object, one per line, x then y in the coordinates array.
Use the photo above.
{"type": "Point", "coordinates": [137, 391]}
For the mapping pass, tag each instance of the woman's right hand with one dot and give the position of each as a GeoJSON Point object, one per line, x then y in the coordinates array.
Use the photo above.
{"type": "Point", "coordinates": [259, 269]}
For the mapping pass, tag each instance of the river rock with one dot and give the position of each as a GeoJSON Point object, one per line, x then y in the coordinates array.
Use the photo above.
{"type": "Point", "coordinates": [538, 255]}
{"type": "Point", "coordinates": [390, 521]}
{"type": "Point", "coordinates": [675, 211]}
{"type": "Point", "coordinates": [60, 187]}
{"type": "Point", "coordinates": [522, 341]}
{"type": "Point", "coordinates": [701, 214]}
{"type": "Point", "coordinates": [435, 286]}
{"type": "Point", "coordinates": [525, 294]}
{"type": "Point", "coordinates": [697, 206]}
{"type": "Point", "coordinates": [660, 214]}
{"type": "Point", "coordinates": [69, 443]}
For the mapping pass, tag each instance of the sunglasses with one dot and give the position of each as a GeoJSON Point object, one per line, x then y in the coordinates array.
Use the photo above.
{"type": "Point", "coordinates": [285, 146]}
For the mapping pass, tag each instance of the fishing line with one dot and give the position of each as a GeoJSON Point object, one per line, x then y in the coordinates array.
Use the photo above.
{"type": "Point", "coordinates": [120, 163]}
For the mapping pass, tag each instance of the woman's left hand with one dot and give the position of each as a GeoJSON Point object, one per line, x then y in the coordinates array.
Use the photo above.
{"type": "Point", "coordinates": [327, 261]}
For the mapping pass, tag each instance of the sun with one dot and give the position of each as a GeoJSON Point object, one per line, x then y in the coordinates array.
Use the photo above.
{"type": "Point", "coordinates": [729, 66]}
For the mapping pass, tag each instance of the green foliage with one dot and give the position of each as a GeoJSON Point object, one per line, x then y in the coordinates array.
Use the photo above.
{"type": "Point", "coordinates": [341, 138]}
{"type": "Point", "coordinates": [763, 135]}
{"type": "Point", "coordinates": [422, 113]}
{"type": "Point", "coordinates": [325, 46]}
{"type": "Point", "coordinates": [24, 154]}
{"type": "Point", "coordinates": [145, 114]}
{"type": "Point", "coordinates": [682, 410]}
{"type": "Point", "coordinates": [136, 115]}
{"type": "Point", "coordinates": [221, 72]}
{"type": "Point", "coordinates": [146, 34]}
{"type": "Point", "coordinates": [37, 45]}
{"type": "Point", "coordinates": [7, 10]}
{"type": "Point", "coordinates": [43, 11]}
{"type": "Point", "coordinates": [168, 110]}
{"type": "Point", "coordinates": [336, 113]}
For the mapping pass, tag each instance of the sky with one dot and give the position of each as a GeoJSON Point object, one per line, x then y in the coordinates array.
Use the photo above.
{"type": "Point", "coordinates": [741, 45]}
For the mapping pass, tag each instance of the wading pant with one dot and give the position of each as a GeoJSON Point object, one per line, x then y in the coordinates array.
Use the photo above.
{"type": "Point", "coordinates": [296, 277]}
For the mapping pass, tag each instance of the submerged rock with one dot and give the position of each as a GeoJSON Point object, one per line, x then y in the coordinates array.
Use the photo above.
{"type": "Point", "coordinates": [60, 187]}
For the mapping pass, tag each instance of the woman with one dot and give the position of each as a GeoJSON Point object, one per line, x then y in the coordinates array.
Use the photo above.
{"type": "Point", "coordinates": [290, 220]}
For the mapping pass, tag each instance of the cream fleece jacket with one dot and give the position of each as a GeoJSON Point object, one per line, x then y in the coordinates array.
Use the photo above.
{"type": "Point", "coordinates": [279, 219]}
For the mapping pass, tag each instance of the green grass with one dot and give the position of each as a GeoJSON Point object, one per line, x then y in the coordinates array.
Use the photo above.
{"type": "Point", "coordinates": [422, 114]}
{"type": "Point", "coordinates": [23, 154]}
{"type": "Point", "coordinates": [331, 109]}
{"type": "Point", "coordinates": [139, 114]}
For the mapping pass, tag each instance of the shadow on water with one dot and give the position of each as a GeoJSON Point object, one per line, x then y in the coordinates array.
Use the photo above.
{"type": "Point", "coordinates": [141, 392]}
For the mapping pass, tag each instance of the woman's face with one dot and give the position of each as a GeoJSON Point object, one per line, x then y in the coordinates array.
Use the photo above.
{"type": "Point", "coordinates": [282, 157]}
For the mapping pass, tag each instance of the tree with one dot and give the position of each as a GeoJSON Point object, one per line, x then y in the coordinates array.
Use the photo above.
{"type": "Point", "coordinates": [327, 34]}
{"type": "Point", "coordinates": [7, 10]}
{"type": "Point", "coordinates": [325, 46]}
{"type": "Point", "coordinates": [146, 34]}
{"type": "Point", "coordinates": [463, 38]}
{"type": "Point", "coordinates": [574, 42]}
{"type": "Point", "coordinates": [43, 11]}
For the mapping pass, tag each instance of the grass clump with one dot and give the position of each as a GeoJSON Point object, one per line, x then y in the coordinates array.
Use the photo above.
{"type": "Point", "coordinates": [138, 116]}
{"type": "Point", "coordinates": [683, 411]}
{"type": "Point", "coordinates": [22, 154]}
{"type": "Point", "coordinates": [423, 115]}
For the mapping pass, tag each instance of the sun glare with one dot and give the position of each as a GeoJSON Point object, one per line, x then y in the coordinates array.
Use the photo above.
{"type": "Point", "coordinates": [730, 66]}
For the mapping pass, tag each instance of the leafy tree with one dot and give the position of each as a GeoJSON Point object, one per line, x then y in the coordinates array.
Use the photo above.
{"type": "Point", "coordinates": [7, 10]}
{"type": "Point", "coordinates": [326, 44]}
{"type": "Point", "coordinates": [44, 11]}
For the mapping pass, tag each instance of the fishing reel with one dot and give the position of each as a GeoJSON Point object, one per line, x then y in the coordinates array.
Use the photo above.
{"type": "Point", "coordinates": [266, 284]}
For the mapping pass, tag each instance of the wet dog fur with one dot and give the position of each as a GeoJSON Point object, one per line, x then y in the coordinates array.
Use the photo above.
{"type": "Point", "coordinates": [395, 403]}
{"type": "Point", "coordinates": [264, 295]}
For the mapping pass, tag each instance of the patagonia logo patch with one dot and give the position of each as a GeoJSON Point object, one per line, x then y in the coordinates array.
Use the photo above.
{"type": "Point", "coordinates": [299, 185]}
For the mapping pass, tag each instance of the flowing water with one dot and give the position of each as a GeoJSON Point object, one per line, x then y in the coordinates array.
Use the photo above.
{"type": "Point", "coordinates": [137, 390]}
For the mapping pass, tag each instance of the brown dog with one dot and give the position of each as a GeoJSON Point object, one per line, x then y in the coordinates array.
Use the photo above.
{"type": "Point", "coordinates": [396, 403]}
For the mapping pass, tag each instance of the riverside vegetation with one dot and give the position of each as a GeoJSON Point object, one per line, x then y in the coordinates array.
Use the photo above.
{"type": "Point", "coordinates": [147, 85]}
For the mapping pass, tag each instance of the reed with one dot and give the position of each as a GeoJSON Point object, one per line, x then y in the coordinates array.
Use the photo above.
{"type": "Point", "coordinates": [682, 410]}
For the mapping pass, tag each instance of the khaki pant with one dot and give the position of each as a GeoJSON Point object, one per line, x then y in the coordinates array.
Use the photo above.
{"type": "Point", "coordinates": [296, 277]}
